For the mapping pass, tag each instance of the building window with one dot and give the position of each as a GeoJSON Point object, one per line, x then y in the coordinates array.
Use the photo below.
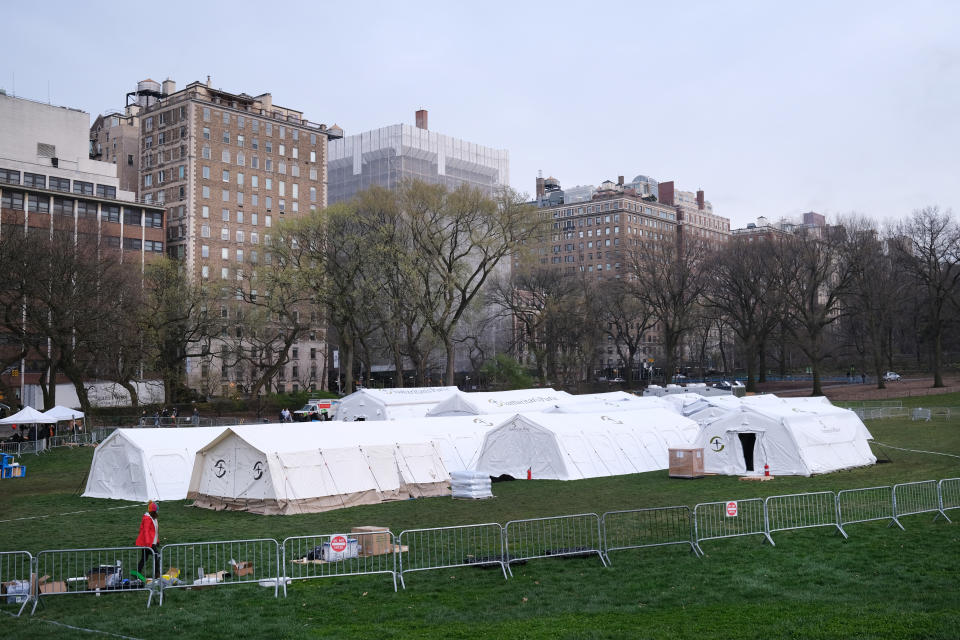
{"type": "Point", "coordinates": [225, 156]}
{"type": "Point", "coordinates": [34, 180]}
{"type": "Point", "coordinates": [205, 251]}
{"type": "Point", "coordinates": [224, 234]}
{"type": "Point", "coordinates": [254, 237]}
{"type": "Point", "coordinates": [205, 171]}
{"type": "Point", "coordinates": [225, 215]}
{"type": "Point", "coordinates": [239, 141]}
{"type": "Point", "coordinates": [205, 212]}
{"type": "Point", "coordinates": [224, 255]}
{"type": "Point", "coordinates": [205, 272]}
{"type": "Point", "coordinates": [12, 200]}
{"type": "Point", "coordinates": [239, 235]}
{"type": "Point", "coordinates": [206, 133]}
{"type": "Point", "coordinates": [240, 217]}
{"type": "Point", "coordinates": [225, 195]}
{"type": "Point", "coordinates": [205, 191]}
{"type": "Point", "coordinates": [205, 152]}
{"type": "Point", "coordinates": [313, 156]}
{"type": "Point", "coordinates": [205, 231]}
{"type": "Point", "coordinates": [60, 184]}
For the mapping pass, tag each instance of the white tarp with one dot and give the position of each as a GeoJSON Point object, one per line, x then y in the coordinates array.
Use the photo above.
{"type": "Point", "coordinates": [793, 436]}
{"type": "Point", "coordinates": [28, 415]}
{"type": "Point", "coordinates": [146, 464]}
{"type": "Point", "coordinates": [494, 402]}
{"type": "Point", "coordinates": [557, 446]}
{"type": "Point", "coordinates": [391, 404]}
{"type": "Point", "coordinates": [63, 413]}
{"type": "Point", "coordinates": [312, 467]}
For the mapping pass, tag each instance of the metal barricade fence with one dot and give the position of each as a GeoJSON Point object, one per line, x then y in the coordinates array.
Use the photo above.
{"type": "Point", "coordinates": [866, 505]}
{"type": "Point", "coordinates": [222, 562]}
{"type": "Point", "coordinates": [920, 414]}
{"type": "Point", "coordinates": [917, 497]}
{"type": "Point", "coordinates": [949, 492]}
{"type": "Point", "coordinates": [446, 547]}
{"type": "Point", "coordinates": [335, 555]}
{"type": "Point", "coordinates": [103, 570]}
{"type": "Point", "coordinates": [573, 535]}
{"type": "Point", "coordinates": [802, 511]}
{"type": "Point", "coordinates": [729, 519]}
{"type": "Point", "coordinates": [639, 528]}
{"type": "Point", "coordinates": [16, 572]}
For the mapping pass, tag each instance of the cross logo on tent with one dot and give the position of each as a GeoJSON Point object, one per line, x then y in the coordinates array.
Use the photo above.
{"type": "Point", "coordinates": [221, 468]}
{"type": "Point", "coordinates": [258, 470]}
{"type": "Point", "coordinates": [717, 444]}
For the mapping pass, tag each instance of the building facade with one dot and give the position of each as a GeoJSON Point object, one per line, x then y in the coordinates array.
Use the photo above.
{"type": "Point", "coordinates": [227, 168]}
{"type": "Point", "coordinates": [391, 155]}
{"type": "Point", "coordinates": [695, 214]}
{"type": "Point", "coordinates": [49, 182]}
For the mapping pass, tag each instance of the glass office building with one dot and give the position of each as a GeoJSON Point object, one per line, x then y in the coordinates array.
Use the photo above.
{"type": "Point", "coordinates": [390, 155]}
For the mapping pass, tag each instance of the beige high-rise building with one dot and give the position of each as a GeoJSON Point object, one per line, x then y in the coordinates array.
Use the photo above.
{"type": "Point", "coordinates": [229, 167]}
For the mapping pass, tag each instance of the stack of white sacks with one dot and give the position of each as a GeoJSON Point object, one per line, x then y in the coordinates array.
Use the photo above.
{"type": "Point", "coordinates": [470, 484]}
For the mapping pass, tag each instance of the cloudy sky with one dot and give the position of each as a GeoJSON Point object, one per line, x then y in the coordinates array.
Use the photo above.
{"type": "Point", "coordinates": [772, 108]}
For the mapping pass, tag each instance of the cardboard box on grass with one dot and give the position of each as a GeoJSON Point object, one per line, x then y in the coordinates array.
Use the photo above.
{"type": "Point", "coordinates": [46, 585]}
{"type": "Point", "coordinates": [374, 541]}
{"type": "Point", "coordinates": [686, 463]}
{"type": "Point", "coordinates": [241, 569]}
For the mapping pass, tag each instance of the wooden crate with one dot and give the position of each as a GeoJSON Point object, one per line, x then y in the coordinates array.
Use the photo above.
{"type": "Point", "coordinates": [686, 463]}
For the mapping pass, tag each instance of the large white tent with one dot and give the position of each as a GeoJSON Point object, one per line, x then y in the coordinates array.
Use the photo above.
{"type": "Point", "coordinates": [305, 467]}
{"type": "Point", "coordinates": [391, 404]}
{"type": "Point", "coordinates": [598, 403]}
{"type": "Point", "coordinates": [146, 464]}
{"type": "Point", "coordinates": [63, 413]}
{"type": "Point", "coordinates": [793, 438]}
{"type": "Point", "coordinates": [573, 446]}
{"type": "Point", "coordinates": [499, 402]}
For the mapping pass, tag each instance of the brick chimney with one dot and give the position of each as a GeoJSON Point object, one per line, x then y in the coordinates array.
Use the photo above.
{"type": "Point", "coordinates": [620, 180]}
{"type": "Point", "coordinates": [700, 199]}
{"type": "Point", "coordinates": [422, 119]}
{"type": "Point", "coordinates": [541, 190]}
{"type": "Point", "coordinates": [666, 192]}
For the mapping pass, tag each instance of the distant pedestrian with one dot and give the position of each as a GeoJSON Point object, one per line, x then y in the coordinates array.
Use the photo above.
{"type": "Point", "coordinates": [196, 416]}
{"type": "Point", "coordinates": [156, 418]}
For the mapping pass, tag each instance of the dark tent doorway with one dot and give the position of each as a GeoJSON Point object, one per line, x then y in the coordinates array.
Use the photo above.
{"type": "Point", "coordinates": [747, 442]}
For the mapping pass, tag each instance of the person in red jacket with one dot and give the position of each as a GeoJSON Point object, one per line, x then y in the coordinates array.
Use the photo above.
{"type": "Point", "coordinates": [149, 538]}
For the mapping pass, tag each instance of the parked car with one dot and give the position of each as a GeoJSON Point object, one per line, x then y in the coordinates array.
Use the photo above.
{"type": "Point", "coordinates": [617, 379]}
{"type": "Point", "coordinates": [891, 376]}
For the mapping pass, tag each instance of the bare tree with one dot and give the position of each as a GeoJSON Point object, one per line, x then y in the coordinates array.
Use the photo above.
{"type": "Point", "coordinates": [744, 287]}
{"type": "Point", "coordinates": [669, 280]}
{"type": "Point", "coordinates": [625, 318]}
{"type": "Point", "coordinates": [928, 250]}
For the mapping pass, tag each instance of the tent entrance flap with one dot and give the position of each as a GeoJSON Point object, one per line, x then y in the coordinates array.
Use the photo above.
{"type": "Point", "coordinates": [747, 443]}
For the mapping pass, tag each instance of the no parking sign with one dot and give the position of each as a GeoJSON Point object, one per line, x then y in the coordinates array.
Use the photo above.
{"type": "Point", "coordinates": [732, 509]}
{"type": "Point", "coordinates": [338, 543]}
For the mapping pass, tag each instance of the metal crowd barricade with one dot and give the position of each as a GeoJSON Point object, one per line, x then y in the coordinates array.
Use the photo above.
{"type": "Point", "coordinates": [16, 570]}
{"type": "Point", "coordinates": [446, 547]}
{"type": "Point", "coordinates": [335, 555]}
{"type": "Point", "coordinates": [920, 414]}
{"type": "Point", "coordinates": [711, 520]}
{"type": "Point", "coordinates": [910, 498]}
{"type": "Point", "coordinates": [866, 505]}
{"type": "Point", "coordinates": [222, 562]}
{"type": "Point", "coordinates": [573, 535]}
{"type": "Point", "coordinates": [639, 528]}
{"type": "Point", "coordinates": [103, 570]}
{"type": "Point", "coordinates": [949, 491]}
{"type": "Point", "coordinates": [802, 511]}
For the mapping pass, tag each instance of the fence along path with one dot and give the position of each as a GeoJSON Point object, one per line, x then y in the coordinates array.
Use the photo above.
{"type": "Point", "coordinates": [110, 569]}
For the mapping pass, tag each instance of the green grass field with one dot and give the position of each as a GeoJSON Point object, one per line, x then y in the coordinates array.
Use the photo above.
{"type": "Point", "coordinates": [881, 583]}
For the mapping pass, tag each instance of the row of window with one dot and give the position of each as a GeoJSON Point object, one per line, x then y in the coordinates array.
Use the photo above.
{"type": "Point", "coordinates": [240, 121]}
{"type": "Point", "coordinates": [131, 216]}
{"type": "Point", "coordinates": [268, 165]}
{"type": "Point", "coordinates": [40, 181]}
{"type": "Point", "coordinates": [240, 235]}
{"type": "Point", "coordinates": [613, 206]}
{"type": "Point", "coordinates": [254, 200]}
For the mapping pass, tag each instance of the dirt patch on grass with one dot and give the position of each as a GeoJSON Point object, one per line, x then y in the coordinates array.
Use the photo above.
{"type": "Point", "coordinates": [858, 392]}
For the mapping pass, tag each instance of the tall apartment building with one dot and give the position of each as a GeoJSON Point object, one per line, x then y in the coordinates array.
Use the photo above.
{"type": "Point", "coordinates": [228, 167]}
{"type": "Point", "coordinates": [48, 181]}
{"type": "Point", "coordinates": [695, 215]}
{"type": "Point", "coordinates": [115, 138]}
{"type": "Point", "coordinates": [592, 238]}
{"type": "Point", "coordinates": [390, 155]}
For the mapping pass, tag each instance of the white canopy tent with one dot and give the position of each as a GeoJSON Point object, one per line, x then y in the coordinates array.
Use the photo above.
{"type": "Point", "coordinates": [146, 464]}
{"type": "Point", "coordinates": [792, 438]}
{"type": "Point", "coordinates": [28, 415]}
{"type": "Point", "coordinates": [555, 446]}
{"type": "Point", "coordinates": [63, 413]}
{"type": "Point", "coordinates": [305, 468]}
{"type": "Point", "coordinates": [499, 402]}
{"type": "Point", "coordinates": [391, 404]}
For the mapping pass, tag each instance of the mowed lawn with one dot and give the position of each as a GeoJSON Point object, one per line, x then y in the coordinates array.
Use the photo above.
{"type": "Point", "coordinates": [881, 583]}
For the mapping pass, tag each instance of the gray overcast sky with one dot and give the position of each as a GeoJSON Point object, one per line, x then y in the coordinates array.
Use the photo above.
{"type": "Point", "coordinates": [771, 109]}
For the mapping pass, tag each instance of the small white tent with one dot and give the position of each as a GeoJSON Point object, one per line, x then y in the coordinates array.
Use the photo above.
{"type": "Point", "coordinates": [28, 415]}
{"type": "Point", "coordinates": [792, 438]}
{"type": "Point", "coordinates": [494, 402]}
{"type": "Point", "coordinates": [556, 446]}
{"type": "Point", "coordinates": [306, 468]}
{"type": "Point", "coordinates": [146, 464]}
{"type": "Point", "coordinates": [63, 413]}
{"type": "Point", "coordinates": [391, 404]}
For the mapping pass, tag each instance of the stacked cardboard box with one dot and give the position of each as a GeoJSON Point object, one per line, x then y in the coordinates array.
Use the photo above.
{"type": "Point", "coordinates": [686, 463]}
{"type": "Point", "coordinates": [374, 541]}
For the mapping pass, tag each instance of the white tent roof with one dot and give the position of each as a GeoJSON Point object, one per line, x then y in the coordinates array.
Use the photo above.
{"type": "Point", "coordinates": [63, 413]}
{"type": "Point", "coordinates": [28, 415]}
{"type": "Point", "coordinates": [493, 402]}
{"type": "Point", "coordinates": [310, 467]}
{"type": "Point", "coordinates": [793, 438]}
{"type": "Point", "coordinates": [579, 405]}
{"type": "Point", "coordinates": [391, 404]}
{"type": "Point", "coordinates": [570, 447]}
{"type": "Point", "coordinates": [146, 464]}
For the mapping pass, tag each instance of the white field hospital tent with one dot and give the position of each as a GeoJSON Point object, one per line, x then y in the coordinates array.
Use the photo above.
{"type": "Point", "coordinates": [391, 404]}
{"type": "Point", "coordinates": [146, 464]}
{"type": "Point", "coordinates": [306, 467]}
{"type": "Point", "coordinates": [556, 446]}
{"type": "Point", "coordinates": [793, 438]}
{"type": "Point", "coordinates": [587, 403]}
{"type": "Point", "coordinates": [502, 402]}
